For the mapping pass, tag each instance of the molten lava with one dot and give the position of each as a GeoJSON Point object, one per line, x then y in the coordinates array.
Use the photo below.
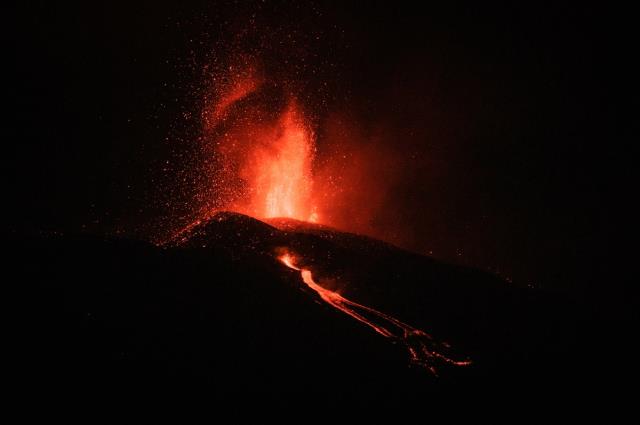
{"type": "Point", "coordinates": [264, 146]}
{"type": "Point", "coordinates": [423, 350]}
{"type": "Point", "coordinates": [278, 170]}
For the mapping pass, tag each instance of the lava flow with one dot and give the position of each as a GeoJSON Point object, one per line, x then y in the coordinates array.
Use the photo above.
{"type": "Point", "coordinates": [423, 350]}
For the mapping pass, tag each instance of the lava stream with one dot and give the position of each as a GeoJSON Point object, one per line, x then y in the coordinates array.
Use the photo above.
{"type": "Point", "coordinates": [423, 350]}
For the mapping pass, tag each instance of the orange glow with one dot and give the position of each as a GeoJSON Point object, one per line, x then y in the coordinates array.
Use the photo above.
{"type": "Point", "coordinates": [423, 350]}
{"type": "Point", "coordinates": [278, 171]}
{"type": "Point", "coordinates": [288, 260]}
{"type": "Point", "coordinates": [264, 147]}
{"type": "Point", "coordinates": [231, 88]}
{"type": "Point", "coordinates": [257, 156]}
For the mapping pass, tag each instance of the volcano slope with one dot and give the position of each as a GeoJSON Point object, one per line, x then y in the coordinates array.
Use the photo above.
{"type": "Point", "coordinates": [215, 308]}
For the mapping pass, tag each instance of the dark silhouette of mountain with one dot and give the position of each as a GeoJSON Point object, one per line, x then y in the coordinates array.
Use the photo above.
{"type": "Point", "coordinates": [214, 308]}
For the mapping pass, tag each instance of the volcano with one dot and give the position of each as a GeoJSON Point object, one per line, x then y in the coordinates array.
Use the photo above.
{"type": "Point", "coordinates": [216, 307]}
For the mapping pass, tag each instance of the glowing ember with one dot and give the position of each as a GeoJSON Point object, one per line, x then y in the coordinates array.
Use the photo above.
{"type": "Point", "coordinates": [423, 350]}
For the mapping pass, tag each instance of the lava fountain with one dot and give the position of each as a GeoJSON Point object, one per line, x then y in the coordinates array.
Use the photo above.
{"type": "Point", "coordinates": [279, 170]}
{"type": "Point", "coordinates": [423, 350]}
{"type": "Point", "coordinates": [264, 145]}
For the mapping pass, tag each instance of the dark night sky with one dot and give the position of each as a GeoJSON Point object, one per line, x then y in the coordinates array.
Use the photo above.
{"type": "Point", "coordinates": [503, 113]}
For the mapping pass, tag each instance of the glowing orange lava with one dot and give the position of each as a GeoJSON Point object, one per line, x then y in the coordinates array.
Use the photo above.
{"type": "Point", "coordinates": [278, 170]}
{"type": "Point", "coordinates": [264, 144]}
{"type": "Point", "coordinates": [423, 350]}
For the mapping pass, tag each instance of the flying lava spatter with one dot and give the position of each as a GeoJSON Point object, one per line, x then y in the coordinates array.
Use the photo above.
{"type": "Point", "coordinates": [280, 172]}
{"type": "Point", "coordinates": [423, 350]}
{"type": "Point", "coordinates": [265, 148]}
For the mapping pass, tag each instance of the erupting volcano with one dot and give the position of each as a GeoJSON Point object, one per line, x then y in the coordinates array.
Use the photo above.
{"type": "Point", "coordinates": [315, 204]}
{"type": "Point", "coordinates": [264, 146]}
